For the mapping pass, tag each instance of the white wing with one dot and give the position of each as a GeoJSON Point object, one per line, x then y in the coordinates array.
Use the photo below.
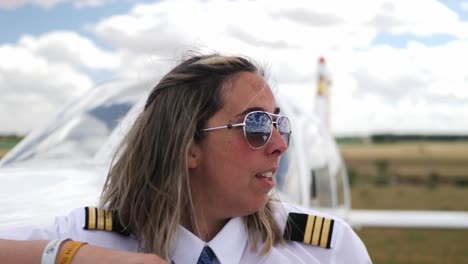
{"type": "Point", "coordinates": [408, 218]}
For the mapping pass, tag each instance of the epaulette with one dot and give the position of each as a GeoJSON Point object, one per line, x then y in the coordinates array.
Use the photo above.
{"type": "Point", "coordinates": [309, 229]}
{"type": "Point", "coordinates": [101, 219]}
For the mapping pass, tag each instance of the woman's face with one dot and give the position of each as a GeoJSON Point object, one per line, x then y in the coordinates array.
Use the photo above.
{"type": "Point", "coordinates": [230, 178]}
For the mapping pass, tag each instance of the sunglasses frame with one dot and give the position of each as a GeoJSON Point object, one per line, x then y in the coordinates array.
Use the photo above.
{"type": "Point", "coordinates": [274, 124]}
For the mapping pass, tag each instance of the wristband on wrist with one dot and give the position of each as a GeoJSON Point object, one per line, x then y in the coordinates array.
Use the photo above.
{"type": "Point", "coordinates": [49, 255]}
{"type": "Point", "coordinates": [69, 251]}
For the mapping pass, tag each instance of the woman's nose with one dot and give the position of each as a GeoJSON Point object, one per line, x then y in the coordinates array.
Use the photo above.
{"type": "Point", "coordinates": [278, 144]}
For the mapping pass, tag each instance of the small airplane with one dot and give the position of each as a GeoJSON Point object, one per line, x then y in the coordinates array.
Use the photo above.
{"type": "Point", "coordinates": [63, 165]}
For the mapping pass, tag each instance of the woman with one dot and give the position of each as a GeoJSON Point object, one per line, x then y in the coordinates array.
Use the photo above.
{"type": "Point", "coordinates": [192, 182]}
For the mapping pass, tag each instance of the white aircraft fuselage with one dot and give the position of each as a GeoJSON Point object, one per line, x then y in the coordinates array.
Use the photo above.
{"type": "Point", "coordinates": [63, 165]}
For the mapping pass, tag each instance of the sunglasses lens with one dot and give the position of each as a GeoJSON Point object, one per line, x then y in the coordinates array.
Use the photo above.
{"type": "Point", "coordinates": [257, 129]}
{"type": "Point", "coordinates": [284, 128]}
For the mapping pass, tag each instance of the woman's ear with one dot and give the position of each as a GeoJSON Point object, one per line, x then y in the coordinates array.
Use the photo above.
{"type": "Point", "coordinates": [193, 155]}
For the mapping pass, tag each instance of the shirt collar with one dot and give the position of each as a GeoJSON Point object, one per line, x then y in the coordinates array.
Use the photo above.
{"type": "Point", "coordinates": [186, 247]}
{"type": "Point", "coordinates": [228, 245]}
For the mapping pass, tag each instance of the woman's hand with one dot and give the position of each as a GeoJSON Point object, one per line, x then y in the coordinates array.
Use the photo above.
{"type": "Point", "coordinates": [19, 252]}
{"type": "Point", "coordinates": [93, 254]}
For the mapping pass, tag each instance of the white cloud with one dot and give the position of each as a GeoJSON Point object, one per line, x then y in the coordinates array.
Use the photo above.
{"type": "Point", "coordinates": [464, 5]}
{"type": "Point", "coordinates": [419, 89]}
{"type": "Point", "coordinates": [92, 3]}
{"type": "Point", "coordinates": [70, 47]}
{"type": "Point", "coordinates": [165, 28]}
{"type": "Point", "coordinates": [420, 18]}
{"type": "Point", "coordinates": [12, 4]}
{"type": "Point", "coordinates": [41, 73]}
{"type": "Point", "coordinates": [375, 87]}
{"type": "Point", "coordinates": [33, 88]}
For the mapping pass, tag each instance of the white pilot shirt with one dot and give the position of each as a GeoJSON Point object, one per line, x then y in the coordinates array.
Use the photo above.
{"type": "Point", "coordinates": [231, 245]}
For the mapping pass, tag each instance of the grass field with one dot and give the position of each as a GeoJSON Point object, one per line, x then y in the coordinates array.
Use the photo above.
{"type": "Point", "coordinates": [3, 152]}
{"type": "Point", "coordinates": [414, 246]}
{"type": "Point", "coordinates": [408, 151]}
{"type": "Point", "coordinates": [411, 197]}
{"type": "Point", "coordinates": [8, 142]}
{"type": "Point", "coordinates": [417, 161]}
{"type": "Point", "coordinates": [408, 246]}
{"type": "Point", "coordinates": [421, 162]}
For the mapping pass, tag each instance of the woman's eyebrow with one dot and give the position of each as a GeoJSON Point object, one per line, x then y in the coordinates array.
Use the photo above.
{"type": "Point", "coordinates": [250, 109]}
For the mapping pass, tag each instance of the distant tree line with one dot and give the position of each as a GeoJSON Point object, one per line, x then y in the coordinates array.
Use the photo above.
{"type": "Point", "coordinates": [9, 141]}
{"type": "Point", "coordinates": [11, 137]}
{"type": "Point", "coordinates": [384, 138]}
{"type": "Point", "coordinates": [392, 138]}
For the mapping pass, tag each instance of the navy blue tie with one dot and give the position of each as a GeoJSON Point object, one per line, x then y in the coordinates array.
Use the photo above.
{"type": "Point", "coordinates": [206, 256]}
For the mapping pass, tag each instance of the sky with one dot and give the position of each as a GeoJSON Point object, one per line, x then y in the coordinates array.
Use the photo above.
{"type": "Point", "coordinates": [396, 66]}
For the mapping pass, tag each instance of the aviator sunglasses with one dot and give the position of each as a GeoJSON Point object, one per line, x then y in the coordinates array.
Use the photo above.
{"type": "Point", "coordinates": [258, 127]}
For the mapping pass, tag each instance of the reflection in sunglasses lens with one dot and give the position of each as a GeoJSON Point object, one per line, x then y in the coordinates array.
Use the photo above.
{"type": "Point", "coordinates": [257, 128]}
{"type": "Point", "coordinates": [284, 128]}
{"type": "Point", "coordinates": [257, 140]}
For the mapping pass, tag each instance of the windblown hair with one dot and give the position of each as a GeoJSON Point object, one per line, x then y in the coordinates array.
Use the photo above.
{"type": "Point", "coordinates": [148, 183]}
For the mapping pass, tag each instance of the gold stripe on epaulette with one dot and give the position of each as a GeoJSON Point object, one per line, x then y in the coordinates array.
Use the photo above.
{"type": "Point", "coordinates": [325, 233]}
{"type": "Point", "coordinates": [103, 219]}
{"type": "Point", "coordinates": [108, 218]}
{"type": "Point", "coordinates": [309, 229]}
{"type": "Point", "coordinates": [316, 231]}
{"type": "Point", "coordinates": [91, 218]}
{"type": "Point", "coordinates": [100, 219]}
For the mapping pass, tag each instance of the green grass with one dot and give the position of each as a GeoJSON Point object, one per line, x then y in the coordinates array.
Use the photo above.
{"type": "Point", "coordinates": [408, 151]}
{"type": "Point", "coordinates": [7, 143]}
{"type": "Point", "coordinates": [426, 165]}
{"type": "Point", "coordinates": [417, 161]}
{"type": "Point", "coordinates": [411, 246]}
{"type": "Point", "coordinates": [411, 197]}
{"type": "Point", "coordinates": [408, 246]}
{"type": "Point", "coordinates": [404, 246]}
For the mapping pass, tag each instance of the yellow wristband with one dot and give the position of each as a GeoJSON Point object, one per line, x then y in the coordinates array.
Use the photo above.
{"type": "Point", "coordinates": [69, 251]}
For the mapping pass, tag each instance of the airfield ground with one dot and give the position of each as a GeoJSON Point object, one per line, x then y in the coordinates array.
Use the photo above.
{"type": "Point", "coordinates": [411, 246]}
{"type": "Point", "coordinates": [422, 175]}
{"type": "Point", "coordinates": [411, 175]}
{"type": "Point", "coordinates": [3, 152]}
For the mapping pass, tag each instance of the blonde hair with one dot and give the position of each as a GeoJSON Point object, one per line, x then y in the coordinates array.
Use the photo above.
{"type": "Point", "coordinates": [148, 183]}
